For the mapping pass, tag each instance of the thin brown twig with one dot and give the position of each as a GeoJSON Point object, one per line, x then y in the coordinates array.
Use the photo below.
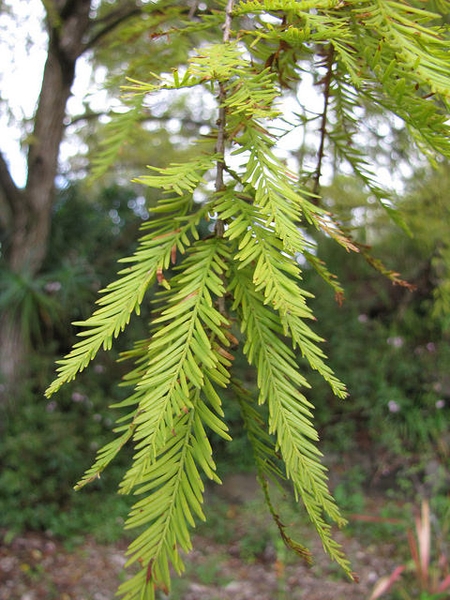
{"type": "Point", "coordinates": [323, 125]}
{"type": "Point", "coordinates": [148, 117]}
{"type": "Point", "coordinates": [221, 134]}
{"type": "Point", "coordinates": [221, 120]}
{"type": "Point", "coordinates": [193, 10]}
{"type": "Point", "coordinates": [114, 20]}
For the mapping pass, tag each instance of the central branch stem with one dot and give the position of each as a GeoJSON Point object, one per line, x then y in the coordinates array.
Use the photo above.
{"type": "Point", "coordinates": [323, 127]}
{"type": "Point", "coordinates": [221, 120]}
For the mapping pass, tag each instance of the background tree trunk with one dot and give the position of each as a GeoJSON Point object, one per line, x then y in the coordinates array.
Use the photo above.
{"type": "Point", "coordinates": [27, 212]}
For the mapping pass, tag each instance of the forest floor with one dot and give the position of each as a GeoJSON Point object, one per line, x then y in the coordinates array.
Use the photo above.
{"type": "Point", "coordinates": [235, 558]}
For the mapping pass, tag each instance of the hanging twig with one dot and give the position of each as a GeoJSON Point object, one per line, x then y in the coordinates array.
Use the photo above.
{"type": "Point", "coordinates": [221, 120]}
{"type": "Point", "coordinates": [221, 135]}
{"type": "Point", "coordinates": [323, 125]}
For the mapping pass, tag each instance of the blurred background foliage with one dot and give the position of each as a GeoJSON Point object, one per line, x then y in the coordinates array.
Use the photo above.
{"type": "Point", "coordinates": [44, 446]}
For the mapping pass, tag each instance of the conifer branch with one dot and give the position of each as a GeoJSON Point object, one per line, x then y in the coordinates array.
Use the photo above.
{"type": "Point", "coordinates": [179, 369]}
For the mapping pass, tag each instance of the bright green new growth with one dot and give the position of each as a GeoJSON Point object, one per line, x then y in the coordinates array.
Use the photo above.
{"type": "Point", "coordinates": [242, 283]}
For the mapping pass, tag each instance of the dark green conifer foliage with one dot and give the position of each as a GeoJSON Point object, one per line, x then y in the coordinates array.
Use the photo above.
{"type": "Point", "coordinates": [243, 283]}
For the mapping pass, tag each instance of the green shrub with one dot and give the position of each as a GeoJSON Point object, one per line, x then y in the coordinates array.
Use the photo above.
{"type": "Point", "coordinates": [43, 452]}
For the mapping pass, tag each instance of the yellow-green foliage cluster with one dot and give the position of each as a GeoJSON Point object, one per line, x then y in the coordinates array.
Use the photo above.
{"type": "Point", "coordinates": [241, 283]}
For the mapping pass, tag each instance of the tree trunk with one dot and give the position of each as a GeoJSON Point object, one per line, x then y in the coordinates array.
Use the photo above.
{"type": "Point", "coordinates": [12, 359]}
{"type": "Point", "coordinates": [27, 213]}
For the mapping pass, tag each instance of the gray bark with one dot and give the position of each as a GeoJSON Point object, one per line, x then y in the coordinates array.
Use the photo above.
{"type": "Point", "coordinates": [25, 214]}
